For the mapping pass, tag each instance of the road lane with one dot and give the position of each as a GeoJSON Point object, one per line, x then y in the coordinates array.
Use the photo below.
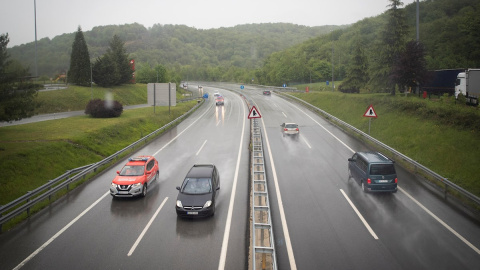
{"type": "Point", "coordinates": [103, 237]}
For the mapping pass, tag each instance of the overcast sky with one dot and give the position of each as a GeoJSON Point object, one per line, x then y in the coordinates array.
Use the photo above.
{"type": "Point", "coordinates": [56, 17]}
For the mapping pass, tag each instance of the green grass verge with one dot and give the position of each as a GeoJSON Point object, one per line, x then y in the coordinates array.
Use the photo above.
{"type": "Point", "coordinates": [34, 153]}
{"type": "Point", "coordinates": [439, 134]}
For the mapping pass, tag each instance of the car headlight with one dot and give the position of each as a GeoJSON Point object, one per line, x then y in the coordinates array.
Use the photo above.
{"type": "Point", "coordinates": [113, 185]}
{"type": "Point", "coordinates": [179, 204]}
{"type": "Point", "coordinates": [207, 204]}
{"type": "Point", "coordinates": [136, 185]}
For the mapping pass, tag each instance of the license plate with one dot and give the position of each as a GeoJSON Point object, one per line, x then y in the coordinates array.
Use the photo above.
{"type": "Point", "coordinates": [123, 192]}
{"type": "Point", "coordinates": [383, 181]}
{"type": "Point", "coordinates": [192, 213]}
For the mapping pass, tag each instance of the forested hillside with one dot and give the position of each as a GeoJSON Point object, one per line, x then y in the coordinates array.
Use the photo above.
{"type": "Point", "coordinates": [275, 53]}
{"type": "Point", "coordinates": [449, 31]}
{"type": "Point", "coordinates": [178, 47]}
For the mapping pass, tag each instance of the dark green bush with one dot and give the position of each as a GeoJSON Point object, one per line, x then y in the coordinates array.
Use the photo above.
{"type": "Point", "coordinates": [102, 109]}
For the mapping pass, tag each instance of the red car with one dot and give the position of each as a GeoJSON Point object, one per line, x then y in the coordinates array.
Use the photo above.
{"type": "Point", "coordinates": [135, 177]}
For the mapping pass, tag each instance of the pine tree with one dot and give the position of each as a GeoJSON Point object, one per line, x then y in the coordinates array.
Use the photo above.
{"type": "Point", "coordinates": [357, 76]}
{"type": "Point", "coordinates": [79, 72]}
{"type": "Point", "coordinates": [391, 46]}
{"type": "Point", "coordinates": [17, 100]}
{"type": "Point", "coordinates": [120, 56]}
{"type": "Point", "coordinates": [113, 68]}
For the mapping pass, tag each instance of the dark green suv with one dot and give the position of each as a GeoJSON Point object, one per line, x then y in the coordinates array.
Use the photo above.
{"type": "Point", "coordinates": [373, 171]}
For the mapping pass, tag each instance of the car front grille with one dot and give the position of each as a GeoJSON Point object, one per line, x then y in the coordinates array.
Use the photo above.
{"type": "Point", "coordinates": [123, 187]}
{"type": "Point", "coordinates": [192, 207]}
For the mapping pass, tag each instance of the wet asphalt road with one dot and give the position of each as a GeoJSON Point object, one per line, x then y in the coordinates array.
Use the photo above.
{"type": "Point", "coordinates": [87, 229]}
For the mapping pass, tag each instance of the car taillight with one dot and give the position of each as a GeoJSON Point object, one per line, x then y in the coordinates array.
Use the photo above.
{"type": "Point", "coordinates": [369, 181]}
{"type": "Point", "coordinates": [396, 180]}
{"type": "Point", "coordinates": [296, 129]}
{"type": "Point", "coordinates": [285, 129]}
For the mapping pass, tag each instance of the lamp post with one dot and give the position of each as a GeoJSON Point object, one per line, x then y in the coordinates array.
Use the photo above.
{"type": "Point", "coordinates": [91, 80]}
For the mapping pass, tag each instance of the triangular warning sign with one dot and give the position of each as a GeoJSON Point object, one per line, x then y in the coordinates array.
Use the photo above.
{"type": "Point", "coordinates": [370, 112]}
{"type": "Point", "coordinates": [254, 113]}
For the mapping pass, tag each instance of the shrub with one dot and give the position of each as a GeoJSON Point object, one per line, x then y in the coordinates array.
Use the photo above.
{"type": "Point", "coordinates": [102, 109]}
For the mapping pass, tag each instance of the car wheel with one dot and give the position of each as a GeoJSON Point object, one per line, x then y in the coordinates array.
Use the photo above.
{"type": "Point", "coordinates": [213, 212]}
{"type": "Point", "coordinates": [364, 188]}
{"type": "Point", "coordinates": [144, 190]}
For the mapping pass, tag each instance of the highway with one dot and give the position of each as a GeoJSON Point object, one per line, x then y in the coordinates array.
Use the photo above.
{"type": "Point", "coordinates": [329, 222]}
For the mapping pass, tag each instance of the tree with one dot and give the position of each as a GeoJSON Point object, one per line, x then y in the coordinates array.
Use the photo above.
{"type": "Point", "coordinates": [357, 76]}
{"type": "Point", "coordinates": [105, 71]}
{"type": "Point", "coordinates": [411, 66]}
{"type": "Point", "coordinates": [17, 100]}
{"type": "Point", "coordinates": [113, 68]}
{"type": "Point", "coordinates": [120, 57]}
{"type": "Point", "coordinates": [392, 41]}
{"type": "Point", "coordinates": [79, 72]}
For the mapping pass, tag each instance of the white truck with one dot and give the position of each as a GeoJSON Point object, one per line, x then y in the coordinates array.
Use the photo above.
{"type": "Point", "coordinates": [468, 84]}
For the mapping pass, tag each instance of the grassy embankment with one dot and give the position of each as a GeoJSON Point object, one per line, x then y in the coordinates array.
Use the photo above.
{"type": "Point", "coordinates": [437, 133]}
{"type": "Point", "coordinates": [34, 153]}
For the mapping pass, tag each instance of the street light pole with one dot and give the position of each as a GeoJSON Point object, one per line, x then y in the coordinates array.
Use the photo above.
{"type": "Point", "coordinates": [333, 70]}
{"type": "Point", "coordinates": [91, 80]}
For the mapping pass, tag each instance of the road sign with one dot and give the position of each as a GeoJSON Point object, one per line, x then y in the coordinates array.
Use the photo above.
{"type": "Point", "coordinates": [370, 112]}
{"type": "Point", "coordinates": [242, 87]}
{"type": "Point", "coordinates": [254, 113]}
{"type": "Point", "coordinates": [284, 85]}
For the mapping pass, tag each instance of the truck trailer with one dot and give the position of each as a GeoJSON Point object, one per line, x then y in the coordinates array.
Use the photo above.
{"type": "Point", "coordinates": [468, 84]}
{"type": "Point", "coordinates": [439, 82]}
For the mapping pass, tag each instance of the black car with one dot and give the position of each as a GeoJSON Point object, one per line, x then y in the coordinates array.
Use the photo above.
{"type": "Point", "coordinates": [267, 93]}
{"type": "Point", "coordinates": [373, 171]}
{"type": "Point", "coordinates": [196, 197]}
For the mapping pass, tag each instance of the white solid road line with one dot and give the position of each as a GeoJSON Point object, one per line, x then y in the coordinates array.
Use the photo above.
{"type": "Point", "coordinates": [441, 222]}
{"type": "Point", "coordinates": [60, 232]}
{"type": "Point", "coordinates": [365, 223]}
{"type": "Point", "coordinates": [228, 225]}
{"type": "Point", "coordinates": [140, 237]}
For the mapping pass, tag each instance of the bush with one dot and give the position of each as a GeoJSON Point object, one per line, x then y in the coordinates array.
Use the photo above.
{"type": "Point", "coordinates": [342, 88]}
{"type": "Point", "coordinates": [102, 109]}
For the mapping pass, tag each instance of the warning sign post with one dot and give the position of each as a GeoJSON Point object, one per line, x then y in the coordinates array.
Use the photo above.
{"type": "Point", "coordinates": [370, 113]}
{"type": "Point", "coordinates": [254, 113]}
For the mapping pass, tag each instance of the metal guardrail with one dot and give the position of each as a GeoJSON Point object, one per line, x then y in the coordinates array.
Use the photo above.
{"type": "Point", "coordinates": [263, 244]}
{"type": "Point", "coordinates": [27, 201]}
{"type": "Point", "coordinates": [440, 179]}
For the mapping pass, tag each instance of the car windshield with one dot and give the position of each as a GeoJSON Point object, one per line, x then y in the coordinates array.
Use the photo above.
{"type": "Point", "coordinates": [291, 126]}
{"type": "Point", "coordinates": [382, 169]}
{"type": "Point", "coordinates": [130, 170]}
{"type": "Point", "coordinates": [197, 185]}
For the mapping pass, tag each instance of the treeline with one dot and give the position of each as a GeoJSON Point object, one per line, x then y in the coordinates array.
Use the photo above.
{"type": "Point", "coordinates": [275, 53]}
{"type": "Point", "coordinates": [195, 53]}
{"type": "Point", "coordinates": [449, 33]}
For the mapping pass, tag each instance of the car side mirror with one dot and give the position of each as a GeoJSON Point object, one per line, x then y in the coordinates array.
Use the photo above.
{"type": "Point", "coordinates": [178, 188]}
{"type": "Point", "coordinates": [118, 172]}
{"type": "Point", "coordinates": [218, 188]}
{"type": "Point", "coordinates": [351, 159]}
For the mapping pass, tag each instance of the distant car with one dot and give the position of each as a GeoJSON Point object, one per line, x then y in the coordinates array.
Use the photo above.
{"type": "Point", "coordinates": [290, 129]}
{"type": "Point", "coordinates": [216, 94]}
{"type": "Point", "coordinates": [373, 171]}
{"type": "Point", "coordinates": [197, 195]}
{"type": "Point", "coordinates": [267, 93]}
{"type": "Point", "coordinates": [219, 100]}
{"type": "Point", "coordinates": [135, 177]}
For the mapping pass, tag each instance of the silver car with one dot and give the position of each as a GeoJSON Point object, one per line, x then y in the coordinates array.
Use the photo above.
{"type": "Point", "coordinates": [290, 129]}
